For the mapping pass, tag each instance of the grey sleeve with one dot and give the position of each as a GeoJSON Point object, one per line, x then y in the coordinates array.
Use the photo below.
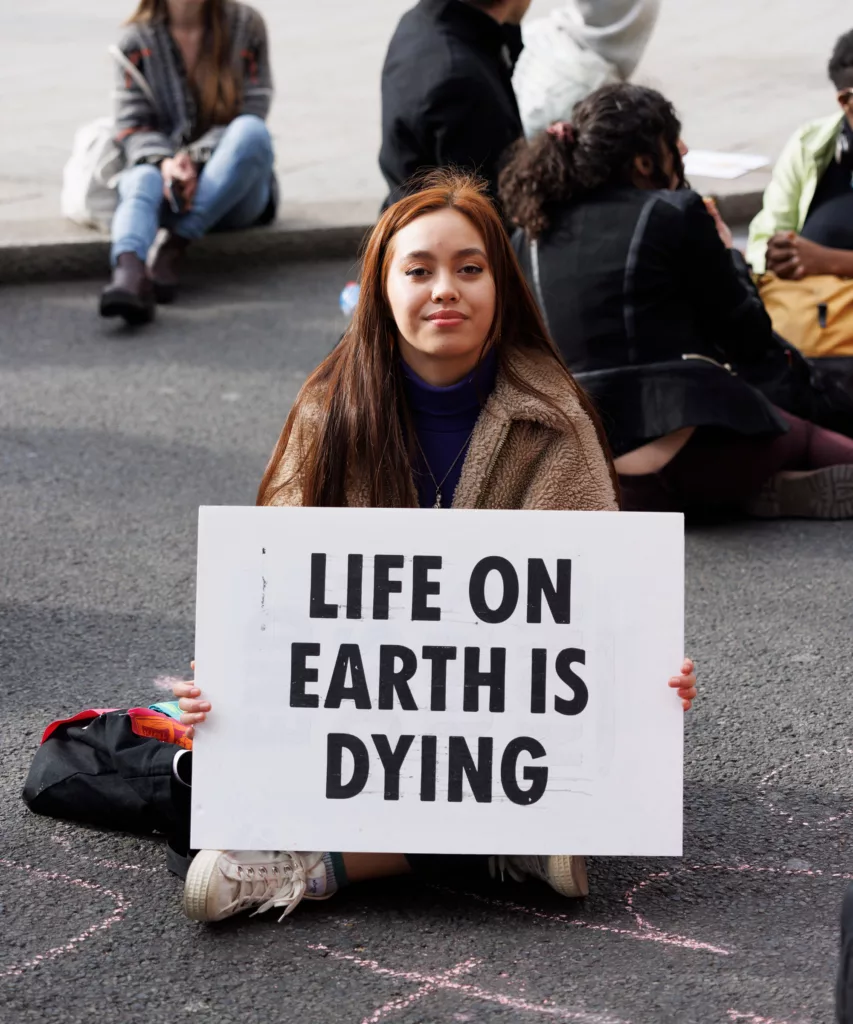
{"type": "Point", "coordinates": [258, 87]}
{"type": "Point", "coordinates": [136, 129]}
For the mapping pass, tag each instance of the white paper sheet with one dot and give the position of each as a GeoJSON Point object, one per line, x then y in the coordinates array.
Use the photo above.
{"type": "Point", "coordinates": [706, 163]}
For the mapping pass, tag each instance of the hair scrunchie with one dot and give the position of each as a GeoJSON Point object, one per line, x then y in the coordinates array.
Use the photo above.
{"type": "Point", "coordinates": [563, 131]}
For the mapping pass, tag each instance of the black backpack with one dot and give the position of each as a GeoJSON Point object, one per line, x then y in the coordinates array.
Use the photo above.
{"type": "Point", "coordinates": [96, 769]}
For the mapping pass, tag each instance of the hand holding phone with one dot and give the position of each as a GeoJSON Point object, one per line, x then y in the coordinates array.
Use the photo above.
{"type": "Point", "coordinates": [179, 181]}
{"type": "Point", "coordinates": [175, 195]}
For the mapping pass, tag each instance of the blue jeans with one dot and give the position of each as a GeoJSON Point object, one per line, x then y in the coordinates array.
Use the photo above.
{"type": "Point", "coordinates": [233, 192]}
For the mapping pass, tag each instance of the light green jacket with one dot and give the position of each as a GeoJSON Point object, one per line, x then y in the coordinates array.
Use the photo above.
{"type": "Point", "coordinates": [792, 187]}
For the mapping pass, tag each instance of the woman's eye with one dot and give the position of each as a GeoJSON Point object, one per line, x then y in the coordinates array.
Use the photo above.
{"type": "Point", "coordinates": [417, 272]}
{"type": "Point", "coordinates": [471, 269]}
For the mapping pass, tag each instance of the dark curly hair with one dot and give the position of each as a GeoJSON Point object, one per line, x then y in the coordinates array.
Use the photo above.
{"type": "Point", "coordinates": [841, 62]}
{"type": "Point", "coordinates": [610, 128]}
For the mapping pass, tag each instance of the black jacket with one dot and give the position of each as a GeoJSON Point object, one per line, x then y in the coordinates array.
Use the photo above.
{"type": "Point", "coordinates": [447, 94]}
{"type": "Point", "coordinates": [633, 281]}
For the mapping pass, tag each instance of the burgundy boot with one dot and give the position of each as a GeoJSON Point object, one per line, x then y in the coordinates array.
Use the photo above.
{"type": "Point", "coordinates": [166, 266]}
{"type": "Point", "coordinates": [130, 294]}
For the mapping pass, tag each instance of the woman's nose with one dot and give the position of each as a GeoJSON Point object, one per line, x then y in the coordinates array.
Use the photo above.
{"type": "Point", "coordinates": [445, 289]}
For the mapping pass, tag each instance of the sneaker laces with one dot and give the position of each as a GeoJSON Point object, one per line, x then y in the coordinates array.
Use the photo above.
{"type": "Point", "coordinates": [279, 884]}
{"type": "Point", "coordinates": [501, 865]}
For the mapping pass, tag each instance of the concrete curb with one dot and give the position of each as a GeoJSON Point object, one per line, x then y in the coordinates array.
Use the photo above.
{"type": "Point", "coordinates": [67, 259]}
{"type": "Point", "coordinates": [55, 251]}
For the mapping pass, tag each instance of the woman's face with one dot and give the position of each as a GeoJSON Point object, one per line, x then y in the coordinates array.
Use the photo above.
{"type": "Point", "coordinates": [644, 167]}
{"type": "Point", "coordinates": [442, 295]}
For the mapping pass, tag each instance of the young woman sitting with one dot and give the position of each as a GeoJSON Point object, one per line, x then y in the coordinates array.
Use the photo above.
{"type": "Point", "coordinates": [650, 305]}
{"type": "Point", "coordinates": [445, 392]}
{"type": "Point", "coordinates": [198, 154]}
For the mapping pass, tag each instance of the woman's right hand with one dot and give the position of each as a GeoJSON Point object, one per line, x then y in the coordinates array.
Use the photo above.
{"type": "Point", "coordinates": [180, 168]}
{"type": "Point", "coordinates": [193, 708]}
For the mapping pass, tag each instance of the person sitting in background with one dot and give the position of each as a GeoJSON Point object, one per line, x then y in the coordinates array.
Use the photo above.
{"type": "Point", "coordinates": [648, 304]}
{"type": "Point", "coordinates": [805, 226]}
{"type": "Point", "coordinates": [447, 98]}
{"type": "Point", "coordinates": [802, 240]}
{"type": "Point", "coordinates": [579, 47]}
{"type": "Point", "coordinates": [200, 157]}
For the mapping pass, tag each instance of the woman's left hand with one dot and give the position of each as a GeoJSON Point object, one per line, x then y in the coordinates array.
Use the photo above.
{"type": "Point", "coordinates": [685, 684]}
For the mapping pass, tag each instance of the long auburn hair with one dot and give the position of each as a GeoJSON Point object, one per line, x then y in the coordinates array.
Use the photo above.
{"type": "Point", "coordinates": [364, 426]}
{"type": "Point", "coordinates": [215, 78]}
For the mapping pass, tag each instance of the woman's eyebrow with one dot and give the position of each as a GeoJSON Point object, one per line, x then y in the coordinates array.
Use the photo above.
{"type": "Point", "coordinates": [425, 254]}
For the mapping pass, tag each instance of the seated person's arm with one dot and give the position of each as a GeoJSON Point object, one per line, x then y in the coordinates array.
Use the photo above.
{"type": "Point", "coordinates": [728, 239]}
{"type": "Point", "coordinates": [781, 207]}
{"type": "Point", "coordinates": [136, 125]}
{"type": "Point", "coordinates": [257, 75]}
{"type": "Point", "coordinates": [727, 308]}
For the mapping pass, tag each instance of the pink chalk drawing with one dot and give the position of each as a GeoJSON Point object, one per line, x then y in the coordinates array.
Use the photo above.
{"type": "Point", "coordinates": [645, 930]}
{"type": "Point", "coordinates": [449, 980]}
{"type": "Point", "coordinates": [772, 778]}
{"type": "Point", "coordinates": [111, 865]}
{"type": "Point", "coordinates": [738, 1017]}
{"type": "Point", "coordinates": [121, 905]}
{"type": "Point", "coordinates": [643, 924]}
{"type": "Point", "coordinates": [647, 933]}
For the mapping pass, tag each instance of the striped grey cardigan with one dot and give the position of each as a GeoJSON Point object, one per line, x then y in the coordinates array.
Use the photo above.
{"type": "Point", "coordinates": [150, 132]}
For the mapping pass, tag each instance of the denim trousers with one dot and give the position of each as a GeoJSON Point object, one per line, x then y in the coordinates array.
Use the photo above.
{"type": "Point", "coordinates": [233, 192]}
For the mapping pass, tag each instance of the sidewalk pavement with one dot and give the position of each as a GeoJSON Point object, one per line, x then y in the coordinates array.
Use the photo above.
{"type": "Point", "coordinates": [742, 76]}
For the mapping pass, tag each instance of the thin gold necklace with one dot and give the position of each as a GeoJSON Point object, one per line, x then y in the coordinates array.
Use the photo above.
{"type": "Point", "coordinates": [438, 485]}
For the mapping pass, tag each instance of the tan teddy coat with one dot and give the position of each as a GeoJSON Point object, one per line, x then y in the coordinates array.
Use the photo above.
{"type": "Point", "coordinates": [521, 456]}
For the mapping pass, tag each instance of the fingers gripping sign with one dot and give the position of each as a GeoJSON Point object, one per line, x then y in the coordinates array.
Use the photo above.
{"type": "Point", "coordinates": [685, 684]}
{"type": "Point", "coordinates": [193, 707]}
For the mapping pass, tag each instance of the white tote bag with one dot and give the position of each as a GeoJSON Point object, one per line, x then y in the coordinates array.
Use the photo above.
{"type": "Point", "coordinates": [90, 176]}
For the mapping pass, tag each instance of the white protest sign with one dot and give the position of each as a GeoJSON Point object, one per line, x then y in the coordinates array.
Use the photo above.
{"type": "Point", "coordinates": [419, 681]}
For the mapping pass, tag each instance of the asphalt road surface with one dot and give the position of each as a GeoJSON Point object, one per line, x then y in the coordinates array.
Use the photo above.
{"type": "Point", "coordinates": [109, 441]}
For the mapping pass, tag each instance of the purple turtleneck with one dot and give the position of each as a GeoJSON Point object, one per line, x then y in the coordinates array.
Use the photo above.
{"type": "Point", "coordinates": [444, 420]}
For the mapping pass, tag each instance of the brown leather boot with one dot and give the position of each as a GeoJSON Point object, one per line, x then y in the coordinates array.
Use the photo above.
{"type": "Point", "coordinates": [166, 266]}
{"type": "Point", "coordinates": [130, 294]}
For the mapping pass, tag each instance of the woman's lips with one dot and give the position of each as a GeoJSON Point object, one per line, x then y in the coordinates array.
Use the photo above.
{"type": "Point", "coordinates": [446, 318]}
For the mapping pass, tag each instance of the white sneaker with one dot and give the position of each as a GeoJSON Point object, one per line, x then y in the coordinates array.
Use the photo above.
{"type": "Point", "coordinates": [221, 883]}
{"type": "Point", "coordinates": [566, 875]}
